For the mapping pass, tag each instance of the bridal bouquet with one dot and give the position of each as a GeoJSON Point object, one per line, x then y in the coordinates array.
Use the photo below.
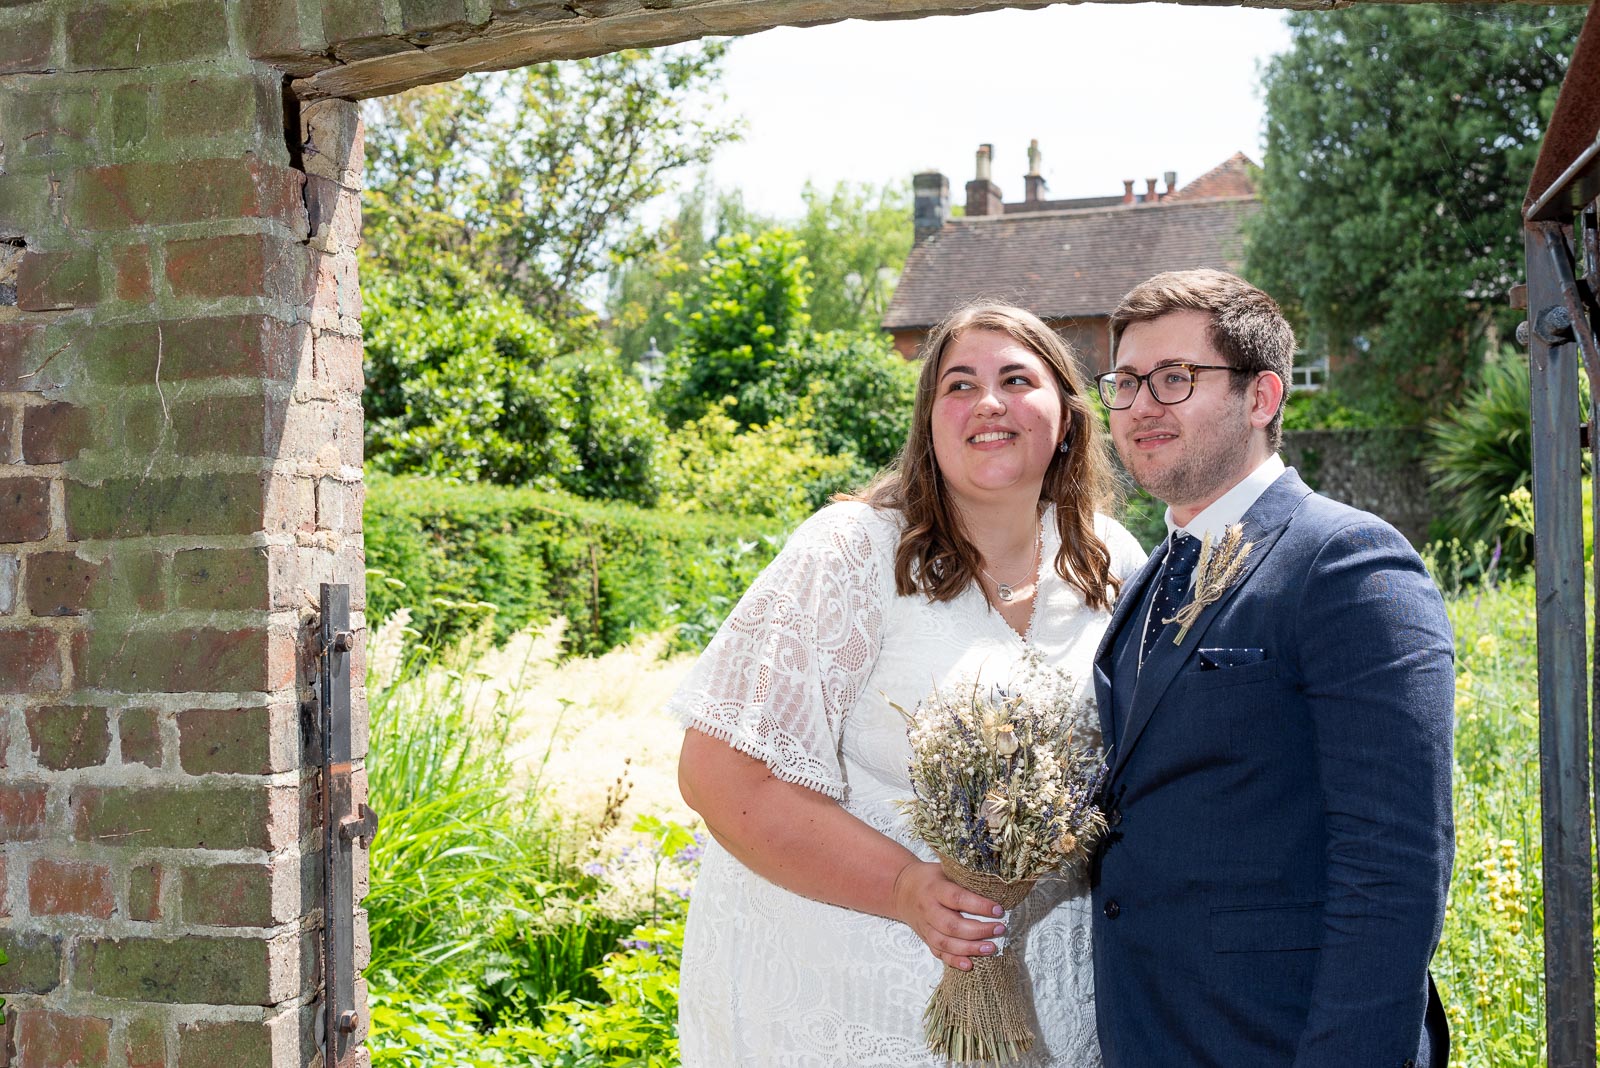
{"type": "Point", "coordinates": [1005, 786]}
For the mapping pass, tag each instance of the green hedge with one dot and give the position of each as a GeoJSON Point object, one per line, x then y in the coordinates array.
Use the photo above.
{"type": "Point", "coordinates": [613, 570]}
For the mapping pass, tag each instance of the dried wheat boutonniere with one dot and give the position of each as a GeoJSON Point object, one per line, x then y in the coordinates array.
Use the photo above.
{"type": "Point", "coordinates": [1218, 568]}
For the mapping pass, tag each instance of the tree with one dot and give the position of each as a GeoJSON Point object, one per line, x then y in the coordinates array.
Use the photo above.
{"type": "Point", "coordinates": [747, 350]}
{"type": "Point", "coordinates": [855, 239]}
{"type": "Point", "coordinates": [469, 385]}
{"type": "Point", "coordinates": [639, 291]}
{"type": "Point", "coordinates": [1400, 141]}
{"type": "Point", "coordinates": [535, 178]}
{"type": "Point", "coordinates": [740, 322]}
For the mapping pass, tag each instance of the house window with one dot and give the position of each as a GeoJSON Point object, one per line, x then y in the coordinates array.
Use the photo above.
{"type": "Point", "coordinates": [1310, 376]}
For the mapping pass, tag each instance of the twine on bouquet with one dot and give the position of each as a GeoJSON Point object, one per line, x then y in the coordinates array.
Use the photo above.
{"type": "Point", "coordinates": [979, 1015]}
{"type": "Point", "coordinates": [1004, 788]}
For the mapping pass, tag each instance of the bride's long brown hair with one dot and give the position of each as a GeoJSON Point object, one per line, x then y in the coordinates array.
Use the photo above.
{"type": "Point", "coordinates": [935, 555]}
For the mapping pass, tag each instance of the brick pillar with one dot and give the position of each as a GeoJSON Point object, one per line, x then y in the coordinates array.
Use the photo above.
{"type": "Point", "coordinates": [180, 465]}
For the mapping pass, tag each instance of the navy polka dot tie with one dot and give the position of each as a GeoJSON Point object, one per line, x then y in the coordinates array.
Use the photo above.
{"type": "Point", "coordinates": [1172, 590]}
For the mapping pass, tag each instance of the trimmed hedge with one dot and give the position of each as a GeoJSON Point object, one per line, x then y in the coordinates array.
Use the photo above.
{"type": "Point", "coordinates": [449, 551]}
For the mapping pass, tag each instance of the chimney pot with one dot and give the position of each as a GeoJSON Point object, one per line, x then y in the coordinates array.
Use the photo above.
{"type": "Point", "coordinates": [1033, 183]}
{"type": "Point", "coordinates": [1172, 182]}
{"type": "Point", "coordinates": [1127, 190]}
{"type": "Point", "coordinates": [930, 204]}
{"type": "Point", "coordinates": [1150, 189]}
{"type": "Point", "coordinates": [985, 157]}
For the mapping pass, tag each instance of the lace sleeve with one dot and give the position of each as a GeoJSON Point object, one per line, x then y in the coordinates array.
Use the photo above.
{"type": "Point", "coordinates": [788, 664]}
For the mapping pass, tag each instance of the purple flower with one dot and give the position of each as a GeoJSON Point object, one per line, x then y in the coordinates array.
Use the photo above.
{"type": "Point", "coordinates": [594, 868]}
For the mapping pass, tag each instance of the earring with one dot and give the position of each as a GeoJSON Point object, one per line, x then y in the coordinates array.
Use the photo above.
{"type": "Point", "coordinates": [1064, 448]}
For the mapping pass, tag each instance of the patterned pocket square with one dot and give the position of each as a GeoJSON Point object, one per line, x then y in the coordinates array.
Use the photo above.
{"type": "Point", "coordinates": [1218, 659]}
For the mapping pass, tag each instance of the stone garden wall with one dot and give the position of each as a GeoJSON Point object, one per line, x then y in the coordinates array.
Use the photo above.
{"type": "Point", "coordinates": [1378, 471]}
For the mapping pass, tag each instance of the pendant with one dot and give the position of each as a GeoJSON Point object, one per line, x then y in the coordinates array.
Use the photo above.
{"type": "Point", "coordinates": [1004, 592]}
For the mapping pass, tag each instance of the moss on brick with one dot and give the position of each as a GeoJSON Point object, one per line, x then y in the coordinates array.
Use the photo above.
{"type": "Point", "coordinates": [203, 660]}
{"type": "Point", "coordinates": [194, 970]}
{"type": "Point", "coordinates": [140, 732]}
{"type": "Point", "coordinates": [144, 892]}
{"type": "Point", "coordinates": [33, 962]}
{"type": "Point", "coordinates": [209, 817]}
{"type": "Point", "coordinates": [102, 38]}
{"type": "Point", "coordinates": [134, 507]}
{"type": "Point", "coordinates": [69, 736]}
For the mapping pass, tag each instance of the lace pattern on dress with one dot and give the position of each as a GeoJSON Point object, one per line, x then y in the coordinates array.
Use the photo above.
{"type": "Point", "coordinates": [788, 664]}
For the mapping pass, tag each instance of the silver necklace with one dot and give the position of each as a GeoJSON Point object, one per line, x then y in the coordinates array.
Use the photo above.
{"type": "Point", "coordinates": [1006, 591]}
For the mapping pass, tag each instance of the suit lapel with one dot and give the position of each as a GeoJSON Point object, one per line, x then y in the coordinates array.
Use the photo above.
{"type": "Point", "coordinates": [1128, 600]}
{"type": "Point", "coordinates": [1263, 524]}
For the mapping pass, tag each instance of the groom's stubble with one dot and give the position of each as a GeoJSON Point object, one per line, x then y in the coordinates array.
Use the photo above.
{"type": "Point", "coordinates": [1207, 460]}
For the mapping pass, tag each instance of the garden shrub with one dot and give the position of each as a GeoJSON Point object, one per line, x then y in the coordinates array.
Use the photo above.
{"type": "Point", "coordinates": [465, 383]}
{"type": "Point", "coordinates": [1482, 452]}
{"type": "Point", "coordinates": [713, 466]}
{"type": "Point", "coordinates": [456, 554]}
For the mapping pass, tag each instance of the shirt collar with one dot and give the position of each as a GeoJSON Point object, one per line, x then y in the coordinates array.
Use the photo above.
{"type": "Point", "coordinates": [1229, 508]}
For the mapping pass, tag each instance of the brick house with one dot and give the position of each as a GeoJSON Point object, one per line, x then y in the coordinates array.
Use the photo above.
{"type": "Point", "coordinates": [1069, 261]}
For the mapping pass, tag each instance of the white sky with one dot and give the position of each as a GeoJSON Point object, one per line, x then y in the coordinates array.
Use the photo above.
{"type": "Point", "coordinates": [1110, 91]}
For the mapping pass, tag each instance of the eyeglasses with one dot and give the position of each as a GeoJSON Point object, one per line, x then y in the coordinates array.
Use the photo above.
{"type": "Point", "coordinates": [1171, 383]}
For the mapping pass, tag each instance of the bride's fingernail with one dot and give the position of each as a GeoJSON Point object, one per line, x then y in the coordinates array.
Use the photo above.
{"type": "Point", "coordinates": [999, 929]}
{"type": "Point", "coordinates": [998, 911]}
{"type": "Point", "coordinates": [986, 949]}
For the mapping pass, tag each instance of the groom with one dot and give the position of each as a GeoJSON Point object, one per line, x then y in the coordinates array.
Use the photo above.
{"type": "Point", "coordinates": [1273, 885]}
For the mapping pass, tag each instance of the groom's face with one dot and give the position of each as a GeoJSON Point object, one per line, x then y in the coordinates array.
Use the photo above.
{"type": "Point", "coordinates": [1186, 454]}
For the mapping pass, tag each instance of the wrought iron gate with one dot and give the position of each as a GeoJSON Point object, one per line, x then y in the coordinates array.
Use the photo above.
{"type": "Point", "coordinates": [1561, 234]}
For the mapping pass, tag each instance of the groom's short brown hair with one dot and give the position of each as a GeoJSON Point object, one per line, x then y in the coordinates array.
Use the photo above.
{"type": "Point", "coordinates": [1247, 328]}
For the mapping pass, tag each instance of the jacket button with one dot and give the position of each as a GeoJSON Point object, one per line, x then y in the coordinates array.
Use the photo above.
{"type": "Point", "coordinates": [1409, 1063]}
{"type": "Point", "coordinates": [1113, 910]}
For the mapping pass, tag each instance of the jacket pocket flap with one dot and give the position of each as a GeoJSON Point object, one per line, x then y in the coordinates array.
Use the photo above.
{"type": "Point", "coordinates": [1260, 671]}
{"type": "Point", "coordinates": [1249, 929]}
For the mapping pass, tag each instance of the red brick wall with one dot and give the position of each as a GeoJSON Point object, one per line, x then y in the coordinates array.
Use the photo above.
{"type": "Point", "coordinates": [180, 466]}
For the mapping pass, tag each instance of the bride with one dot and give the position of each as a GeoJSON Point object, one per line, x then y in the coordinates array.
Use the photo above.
{"type": "Point", "coordinates": [818, 926]}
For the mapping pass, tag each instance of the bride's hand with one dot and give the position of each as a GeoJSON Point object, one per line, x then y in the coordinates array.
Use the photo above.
{"type": "Point", "coordinates": [931, 905]}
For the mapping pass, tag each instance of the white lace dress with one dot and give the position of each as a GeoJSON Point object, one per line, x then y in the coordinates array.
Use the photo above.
{"type": "Point", "coordinates": [801, 676]}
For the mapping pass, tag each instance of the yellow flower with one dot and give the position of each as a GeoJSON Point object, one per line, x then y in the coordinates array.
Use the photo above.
{"type": "Point", "coordinates": [1486, 644]}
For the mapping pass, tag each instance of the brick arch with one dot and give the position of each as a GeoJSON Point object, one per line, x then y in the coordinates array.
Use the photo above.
{"type": "Point", "coordinates": [180, 466]}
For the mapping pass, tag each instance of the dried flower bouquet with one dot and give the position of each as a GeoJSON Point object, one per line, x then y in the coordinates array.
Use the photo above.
{"type": "Point", "coordinates": [1005, 783]}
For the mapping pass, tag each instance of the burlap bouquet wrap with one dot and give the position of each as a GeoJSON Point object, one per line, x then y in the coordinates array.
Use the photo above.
{"type": "Point", "coordinates": [981, 1015]}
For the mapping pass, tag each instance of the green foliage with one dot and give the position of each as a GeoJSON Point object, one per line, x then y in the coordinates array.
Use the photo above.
{"type": "Point", "coordinates": [490, 950]}
{"type": "Point", "coordinates": [739, 322]}
{"type": "Point", "coordinates": [711, 466]}
{"type": "Point", "coordinates": [860, 392]}
{"type": "Point", "coordinates": [1482, 452]}
{"type": "Point", "coordinates": [612, 570]}
{"type": "Point", "coordinates": [636, 1022]}
{"type": "Point", "coordinates": [747, 354]}
{"type": "Point", "coordinates": [1324, 409]}
{"type": "Point", "coordinates": [638, 297]}
{"type": "Point", "coordinates": [536, 177]}
{"type": "Point", "coordinates": [470, 387]}
{"type": "Point", "coordinates": [855, 238]}
{"type": "Point", "coordinates": [1399, 145]}
{"type": "Point", "coordinates": [456, 846]}
{"type": "Point", "coordinates": [1491, 958]}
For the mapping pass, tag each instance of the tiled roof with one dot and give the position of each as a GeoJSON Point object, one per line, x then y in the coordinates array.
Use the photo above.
{"type": "Point", "coordinates": [1065, 264]}
{"type": "Point", "coordinates": [1230, 178]}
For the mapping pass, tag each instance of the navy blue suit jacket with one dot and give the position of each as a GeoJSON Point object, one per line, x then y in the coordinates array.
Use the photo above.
{"type": "Point", "coordinates": [1273, 885]}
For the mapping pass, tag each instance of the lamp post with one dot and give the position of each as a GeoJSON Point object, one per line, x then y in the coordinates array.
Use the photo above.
{"type": "Point", "coordinates": [650, 366]}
